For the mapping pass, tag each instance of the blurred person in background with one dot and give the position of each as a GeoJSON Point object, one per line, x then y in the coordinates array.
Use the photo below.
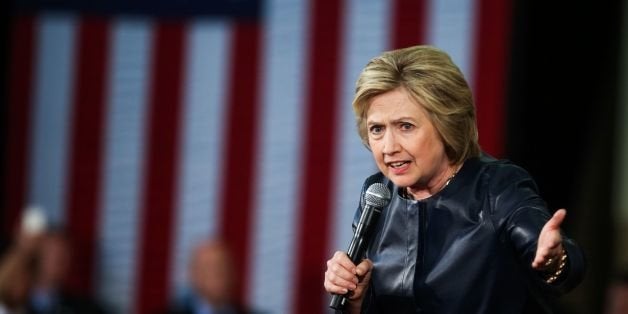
{"type": "Point", "coordinates": [49, 294]}
{"type": "Point", "coordinates": [617, 297]}
{"type": "Point", "coordinates": [18, 264]}
{"type": "Point", "coordinates": [16, 275]}
{"type": "Point", "coordinates": [212, 281]}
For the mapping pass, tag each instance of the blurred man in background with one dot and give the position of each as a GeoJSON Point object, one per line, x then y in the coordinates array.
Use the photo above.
{"type": "Point", "coordinates": [212, 281]}
{"type": "Point", "coordinates": [617, 297]}
{"type": "Point", "coordinates": [48, 293]}
{"type": "Point", "coordinates": [16, 276]}
{"type": "Point", "coordinates": [19, 261]}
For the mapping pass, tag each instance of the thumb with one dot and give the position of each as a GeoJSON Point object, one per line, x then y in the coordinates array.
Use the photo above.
{"type": "Point", "coordinates": [557, 219]}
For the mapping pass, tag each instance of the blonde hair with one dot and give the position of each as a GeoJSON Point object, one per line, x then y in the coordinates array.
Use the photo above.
{"type": "Point", "coordinates": [435, 82]}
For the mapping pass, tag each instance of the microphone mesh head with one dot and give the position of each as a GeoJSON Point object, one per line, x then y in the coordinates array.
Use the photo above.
{"type": "Point", "coordinates": [377, 195]}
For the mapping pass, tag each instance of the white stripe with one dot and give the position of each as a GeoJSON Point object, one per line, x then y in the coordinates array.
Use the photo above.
{"type": "Point", "coordinates": [451, 28]}
{"type": "Point", "coordinates": [367, 29]}
{"type": "Point", "coordinates": [201, 144]}
{"type": "Point", "coordinates": [273, 237]}
{"type": "Point", "coordinates": [123, 176]}
{"type": "Point", "coordinates": [53, 96]}
{"type": "Point", "coordinates": [366, 34]}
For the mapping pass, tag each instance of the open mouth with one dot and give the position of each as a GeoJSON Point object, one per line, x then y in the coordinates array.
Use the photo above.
{"type": "Point", "coordinates": [397, 164]}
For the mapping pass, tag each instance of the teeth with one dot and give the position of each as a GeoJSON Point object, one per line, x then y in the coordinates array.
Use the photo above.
{"type": "Point", "coordinates": [397, 164]}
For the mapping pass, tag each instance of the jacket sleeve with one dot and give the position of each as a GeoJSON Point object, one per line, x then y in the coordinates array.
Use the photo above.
{"type": "Point", "coordinates": [521, 214]}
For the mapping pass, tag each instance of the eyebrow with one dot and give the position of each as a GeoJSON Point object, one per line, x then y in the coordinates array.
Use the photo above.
{"type": "Point", "coordinates": [396, 121]}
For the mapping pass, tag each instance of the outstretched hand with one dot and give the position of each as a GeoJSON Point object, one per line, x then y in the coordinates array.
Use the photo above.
{"type": "Point", "coordinates": [550, 245]}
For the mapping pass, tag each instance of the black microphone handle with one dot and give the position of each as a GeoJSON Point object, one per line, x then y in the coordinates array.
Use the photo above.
{"type": "Point", "coordinates": [338, 301]}
{"type": "Point", "coordinates": [356, 248]}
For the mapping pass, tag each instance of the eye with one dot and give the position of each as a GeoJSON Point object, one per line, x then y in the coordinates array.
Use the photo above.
{"type": "Point", "coordinates": [406, 126]}
{"type": "Point", "coordinates": [376, 129]}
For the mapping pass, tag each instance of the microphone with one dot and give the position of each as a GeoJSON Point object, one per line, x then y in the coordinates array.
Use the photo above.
{"type": "Point", "coordinates": [377, 196]}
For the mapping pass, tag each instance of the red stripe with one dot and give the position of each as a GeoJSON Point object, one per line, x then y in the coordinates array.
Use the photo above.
{"type": "Point", "coordinates": [161, 167]}
{"type": "Point", "coordinates": [409, 18]}
{"type": "Point", "coordinates": [18, 124]}
{"type": "Point", "coordinates": [492, 37]}
{"type": "Point", "coordinates": [238, 177]}
{"type": "Point", "coordinates": [86, 147]}
{"type": "Point", "coordinates": [319, 154]}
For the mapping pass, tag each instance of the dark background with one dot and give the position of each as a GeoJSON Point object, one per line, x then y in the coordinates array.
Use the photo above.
{"type": "Point", "coordinates": [562, 122]}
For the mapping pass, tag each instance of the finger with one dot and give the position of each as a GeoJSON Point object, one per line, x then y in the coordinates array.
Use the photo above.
{"type": "Point", "coordinates": [364, 267]}
{"type": "Point", "coordinates": [546, 255]}
{"type": "Point", "coordinates": [338, 273]}
{"type": "Point", "coordinates": [343, 259]}
{"type": "Point", "coordinates": [557, 219]}
{"type": "Point", "coordinates": [542, 255]}
{"type": "Point", "coordinates": [543, 262]}
{"type": "Point", "coordinates": [332, 288]}
{"type": "Point", "coordinates": [337, 284]}
{"type": "Point", "coordinates": [364, 270]}
{"type": "Point", "coordinates": [539, 261]}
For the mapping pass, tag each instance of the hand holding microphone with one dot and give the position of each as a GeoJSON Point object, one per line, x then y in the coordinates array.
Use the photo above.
{"type": "Point", "coordinates": [341, 277]}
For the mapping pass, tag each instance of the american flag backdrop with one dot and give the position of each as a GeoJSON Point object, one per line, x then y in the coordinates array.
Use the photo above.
{"type": "Point", "coordinates": [143, 135]}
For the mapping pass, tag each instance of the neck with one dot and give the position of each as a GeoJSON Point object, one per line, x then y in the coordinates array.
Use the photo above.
{"type": "Point", "coordinates": [440, 182]}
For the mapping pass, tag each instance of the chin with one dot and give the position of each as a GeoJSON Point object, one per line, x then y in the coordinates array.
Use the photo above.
{"type": "Point", "coordinates": [400, 182]}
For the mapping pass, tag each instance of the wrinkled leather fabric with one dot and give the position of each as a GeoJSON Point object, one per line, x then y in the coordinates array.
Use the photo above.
{"type": "Point", "coordinates": [465, 249]}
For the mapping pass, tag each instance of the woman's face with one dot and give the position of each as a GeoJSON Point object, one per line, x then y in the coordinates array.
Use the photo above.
{"type": "Point", "coordinates": [406, 146]}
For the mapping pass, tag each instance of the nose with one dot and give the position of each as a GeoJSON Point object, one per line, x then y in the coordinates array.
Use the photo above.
{"type": "Point", "coordinates": [390, 143]}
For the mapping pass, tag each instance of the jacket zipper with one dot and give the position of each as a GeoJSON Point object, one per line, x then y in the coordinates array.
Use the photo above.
{"type": "Point", "coordinates": [420, 255]}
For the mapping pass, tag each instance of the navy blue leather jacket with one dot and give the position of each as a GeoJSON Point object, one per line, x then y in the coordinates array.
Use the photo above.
{"type": "Point", "coordinates": [465, 249]}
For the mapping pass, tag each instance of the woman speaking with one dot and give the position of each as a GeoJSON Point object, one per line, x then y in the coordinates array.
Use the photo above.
{"type": "Point", "coordinates": [463, 232]}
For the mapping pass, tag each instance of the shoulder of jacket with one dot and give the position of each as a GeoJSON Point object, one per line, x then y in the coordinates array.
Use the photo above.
{"type": "Point", "coordinates": [501, 172]}
{"type": "Point", "coordinates": [508, 187]}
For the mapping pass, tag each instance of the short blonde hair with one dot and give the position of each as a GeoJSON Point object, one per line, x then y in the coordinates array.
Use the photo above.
{"type": "Point", "coordinates": [435, 82]}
